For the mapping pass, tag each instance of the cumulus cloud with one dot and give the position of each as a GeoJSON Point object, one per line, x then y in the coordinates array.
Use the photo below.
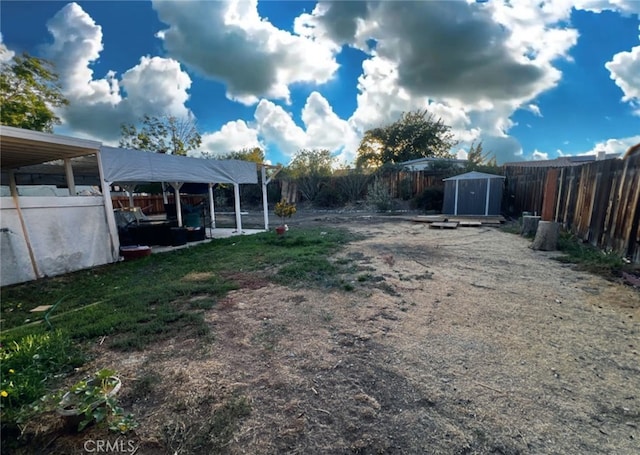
{"type": "Point", "coordinates": [5, 53]}
{"type": "Point", "coordinates": [323, 129]}
{"type": "Point", "coordinates": [156, 86]}
{"type": "Point", "coordinates": [625, 71]}
{"type": "Point", "coordinates": [614, 145]}
{"type": "Point", "coordinates": [596, 6]}
{"type": "Point", "coordinates": [539, 156]}
{"type": "Point", "coordinates": [471, 64]}
{"type": "Point", "coordinates": [230, 42]}
{"type": "Point", "coordinates": [233, 136]}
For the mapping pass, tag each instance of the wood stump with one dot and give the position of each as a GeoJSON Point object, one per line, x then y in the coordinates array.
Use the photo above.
{"type": "Point", "coordinates": [546, 236]}
{"type": "Point", "coordinates": [529, 225]}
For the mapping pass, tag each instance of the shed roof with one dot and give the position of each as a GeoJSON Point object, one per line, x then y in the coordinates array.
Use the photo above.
{"type": "Point", "coordinates": [25, 147]}
{"type": "Point", "coordinates": [474, 175]}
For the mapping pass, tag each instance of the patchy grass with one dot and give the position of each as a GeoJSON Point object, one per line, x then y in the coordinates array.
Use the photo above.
{"type": "Point", "coordinates": [198, 430]}
{"type": "Point", "coordinates": [134, 304]}
{"type": "Point", "coordinates": [512, 227]}
{"type": "Point", "coordinates": [141, 301]}
{"type": "Point", "coordinates": [591, 259]}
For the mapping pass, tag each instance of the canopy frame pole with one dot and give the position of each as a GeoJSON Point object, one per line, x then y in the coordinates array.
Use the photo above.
{"type": "Point", "coordinates": [265, 204]}
{"type": "Point", "coordinates": [212, 208]}
{"type": "Point", "coordinates": [265, 182]}
{"type": "Point", "coordinates": [130, 188]}
{"type": "Point", "coordinates": [25, 232]}
{"type": "Point", "coordinates": [71, 183]}
{"type": "Point", "coordinates": [236, 197]}
{"type": "Point", "coordinates": [108, 209]}
{"type": "Point", "coordinates": [176, 191]}
{"type": "Point", "coordinates": [164, 193]}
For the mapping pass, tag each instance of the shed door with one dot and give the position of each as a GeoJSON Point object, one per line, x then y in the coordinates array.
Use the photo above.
{"type": "Point", "coordinates": [472, 197]}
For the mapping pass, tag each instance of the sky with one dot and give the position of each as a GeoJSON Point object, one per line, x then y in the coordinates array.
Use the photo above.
{"type": "Point", "coordinates": [530, 79]}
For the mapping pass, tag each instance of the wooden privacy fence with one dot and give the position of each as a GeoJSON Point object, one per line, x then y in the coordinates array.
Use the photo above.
{"type": "Point", "coordinates": [597, 201]}
{"type": "Point", "coordinates": [407, 184]}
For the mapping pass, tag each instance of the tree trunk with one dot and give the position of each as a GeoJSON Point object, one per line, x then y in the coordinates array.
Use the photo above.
{"type": "Point", "coordinates": [529, 226]}
{"type": "Point", "coordinates": [546, 236]}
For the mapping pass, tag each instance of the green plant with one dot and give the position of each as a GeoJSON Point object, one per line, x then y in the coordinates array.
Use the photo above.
{"type": "Point", "coordinates": [589, 258]}
{"type": "Point", "coordinates": [27, 365]}
{"type": "Point", "coordinates": [379, 195]}
{"type": "Point", "coordinates": [284, 210]}
{"type": "Point", "coordinates": [95, 399]}
{"type": "Point", "coordinates": [328, 197]}
{"type": "Point", "coordinates": [429, 199]}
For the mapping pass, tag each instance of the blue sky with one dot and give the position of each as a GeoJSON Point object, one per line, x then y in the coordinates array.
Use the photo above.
{"type": "Point", "coordinates": [530, 79]}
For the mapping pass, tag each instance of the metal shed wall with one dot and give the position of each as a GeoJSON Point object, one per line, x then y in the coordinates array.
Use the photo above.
{"type": "Point", "coordinates": [472, 196]}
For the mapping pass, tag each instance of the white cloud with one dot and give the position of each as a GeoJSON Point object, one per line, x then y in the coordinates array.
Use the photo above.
{"type": "Point", "coordinates": [233, 136]}
{"type": "Point", "coordinates": [615, 145]}
{"type": "Point", "coordinates": [538, 155]}
{"type": "Point", "coordinates": [278, 127]}
{"type": "Point", "coordinates": [325, 130]}
{"type": "Point", "coordinates": [535, 109]}
{"type": "Point", "coordinates": [596, 6]}
{"type": "Point", "coordinates": [157, 85]}
{"type": "Point", "coordinates": [97, 107]}
{"type": "Point", "coordinates": [230, 42]}
{"type": "Point", "coordinates": [625, 71]}
{"type": "Point", "coordinates": [471, 64]}
{"type": "Point", "coordinates": [5, 53]}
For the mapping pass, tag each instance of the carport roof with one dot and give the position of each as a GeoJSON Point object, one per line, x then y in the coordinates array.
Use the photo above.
{"type": "Point", "coordinates": [19, 147]}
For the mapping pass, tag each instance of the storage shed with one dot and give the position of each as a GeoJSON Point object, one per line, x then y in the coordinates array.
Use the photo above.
{"type": "Point", "coordinates": [473, 193]}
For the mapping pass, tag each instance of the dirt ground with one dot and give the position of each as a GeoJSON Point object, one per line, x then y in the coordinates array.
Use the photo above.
{"type": "Point", "coordinates": [442, 342]}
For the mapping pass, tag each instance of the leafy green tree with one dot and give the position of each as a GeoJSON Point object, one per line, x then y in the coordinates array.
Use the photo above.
{"type": "Point", "coordinates": [479, 160]}
{"type": "Point", "coordinates": [29, 93]}
{"type": "Point", "coordinates": [477, 157]}
{"type": "Point", "coordinates": [167, 134]}
{"type": "Point", "coordinates": [255, 155]}
{"type": "Point", "coordinates": [310, 169]}
{"type": "Point", "coordinates": [415, 135]}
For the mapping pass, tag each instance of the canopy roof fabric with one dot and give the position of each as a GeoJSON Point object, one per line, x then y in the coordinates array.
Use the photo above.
{"type": "Point", "coordinates": [124, 165]}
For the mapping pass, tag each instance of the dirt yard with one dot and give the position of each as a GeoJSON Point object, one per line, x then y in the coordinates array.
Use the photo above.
{"type": "Point", "coordinates": [441, 342]}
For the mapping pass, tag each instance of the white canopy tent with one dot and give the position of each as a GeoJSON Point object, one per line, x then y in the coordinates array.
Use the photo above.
{"type": "Point", "coordinates": [126, 166]}
{"type": "Point", "coordinates": [46, 234]}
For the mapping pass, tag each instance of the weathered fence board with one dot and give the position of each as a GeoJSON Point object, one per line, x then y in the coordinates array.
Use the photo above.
{"type": "Point", "coordinates": [597, 201]}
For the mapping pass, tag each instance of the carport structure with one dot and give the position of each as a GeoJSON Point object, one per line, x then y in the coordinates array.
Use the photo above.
{"type": "Point", "coordinates": [49, 229]}
{"type": "Point", "coordinates": [44, 234]}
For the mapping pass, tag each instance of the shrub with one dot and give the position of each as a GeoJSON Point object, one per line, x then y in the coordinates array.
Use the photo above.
{"type": "Point", "coordinates": [328, 197]}
{"type": "Point", "coordinates": [352, 184]}
{"type": "Point", "coordinates": [429, 199]}
{"type": "Point", "coordinates": [406, 190]}
{"type": "Point", "coordinates": [379, 195]}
